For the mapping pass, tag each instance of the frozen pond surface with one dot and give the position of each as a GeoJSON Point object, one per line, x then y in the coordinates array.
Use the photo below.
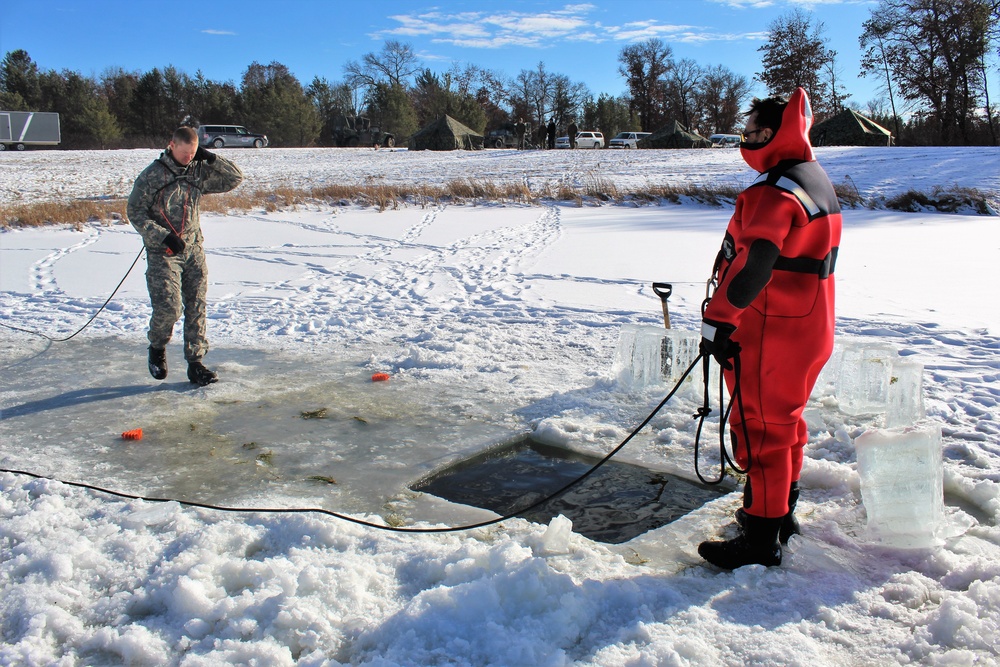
{"type": "Point", "coordinates": [278, 430]}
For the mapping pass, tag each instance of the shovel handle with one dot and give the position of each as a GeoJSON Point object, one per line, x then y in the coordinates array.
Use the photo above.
{"type": "Point", "coordinates": [663, 290]}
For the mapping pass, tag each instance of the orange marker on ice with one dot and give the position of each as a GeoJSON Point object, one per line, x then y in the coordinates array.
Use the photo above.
{"type": "Point", "coordinates": [134, 434]}
{"type": "Point", "coordinates": [380, 377]}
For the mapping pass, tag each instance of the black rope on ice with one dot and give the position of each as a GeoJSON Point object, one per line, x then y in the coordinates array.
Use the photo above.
{"type": "Point", "coordinates": [369, 524]}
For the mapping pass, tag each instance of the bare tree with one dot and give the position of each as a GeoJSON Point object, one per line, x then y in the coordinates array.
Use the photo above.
{"type": "Point", "coordinates": [934, 52]}
{"type": "Point", "coordinates": [644, 65]}
{"type": "Point", "coordinates": [794, 56]}
{"type": "Point", "coordinates": [682, 84]}
{"type": "Point", "coordinates": [838, 93]}
{"type": "Point", "coordinates": [721, 96]}
{"type": "Point", "coordinates": [568, 99]}
{"type": "Point", "coordinates": [876, 58]}
{"type": "Point", "coordinates": [534, 88]}
{"type": "Point", "coordinates": [395, 64]}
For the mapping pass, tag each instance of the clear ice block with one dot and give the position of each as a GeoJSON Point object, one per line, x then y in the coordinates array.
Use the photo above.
{"type": "Point", "coordinates": [905, 400]}
{"type": "Point", "coordinates": [864, 376]}
{"type": "Point", "coordinates": [902, 484]}
{"type": "Point", "coordinates": [650, 355]}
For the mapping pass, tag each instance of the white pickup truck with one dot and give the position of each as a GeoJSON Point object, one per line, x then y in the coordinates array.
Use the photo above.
{"type": "Point", "coordinates": [627, 139]}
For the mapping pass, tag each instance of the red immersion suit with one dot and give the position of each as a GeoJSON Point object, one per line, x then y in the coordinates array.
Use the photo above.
{"type": "Point", "coordinates": [775, 285]}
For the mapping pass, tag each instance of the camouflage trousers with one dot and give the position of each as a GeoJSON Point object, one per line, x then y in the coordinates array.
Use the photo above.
{"type": "Point", "coordinates": [175, 283]}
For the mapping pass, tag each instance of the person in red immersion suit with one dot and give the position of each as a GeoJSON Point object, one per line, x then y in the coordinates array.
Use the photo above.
{"type": "Point", "coordinates": [773, 306]}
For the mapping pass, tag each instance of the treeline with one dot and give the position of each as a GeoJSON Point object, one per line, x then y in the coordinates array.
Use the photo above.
{"type": "Point", "coordinates": [931, 57]}
{"type": "Point", "coordinates": [120, 108]}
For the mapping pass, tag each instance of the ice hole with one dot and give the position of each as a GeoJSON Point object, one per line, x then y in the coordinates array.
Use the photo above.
{"type": "Point", "coordinates": [613, 505]}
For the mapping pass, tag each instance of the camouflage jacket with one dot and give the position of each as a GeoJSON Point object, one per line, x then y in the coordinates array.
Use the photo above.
{"type": "Point", "coordinates": [166, 197]}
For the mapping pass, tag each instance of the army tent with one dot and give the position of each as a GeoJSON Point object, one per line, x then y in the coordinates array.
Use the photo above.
{"type": "Point", "coordinates": [849, 128]}
{"type": "Point", "coordinates": [445, 134]}
{"type": "Point", "coordinates": [674, 135]}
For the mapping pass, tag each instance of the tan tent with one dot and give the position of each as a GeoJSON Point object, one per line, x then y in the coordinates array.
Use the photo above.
{"type": "Point", "coordinates": [445, 134]}
{"type": "Point", "coordinates": [674, 135]}
{"type": "Point", "coordinates": [849, 128]}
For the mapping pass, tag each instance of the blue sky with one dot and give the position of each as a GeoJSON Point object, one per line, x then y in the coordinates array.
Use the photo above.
{"type": "Point", "coordinates": [317, 37]}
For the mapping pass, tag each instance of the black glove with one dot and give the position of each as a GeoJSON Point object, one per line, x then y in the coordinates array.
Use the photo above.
{"type": "Point", "coordinates": [204, 155]}
{"type": "Point", "coordinates": [715, 342]}
{"type": "Point", "coordinates": [175, 244]}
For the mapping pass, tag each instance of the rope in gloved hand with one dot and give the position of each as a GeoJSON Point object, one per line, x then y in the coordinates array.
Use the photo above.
{"type": "Point", "coordinates": [705, 410]}
{"type": "Point", "coordinates": [716, 343]}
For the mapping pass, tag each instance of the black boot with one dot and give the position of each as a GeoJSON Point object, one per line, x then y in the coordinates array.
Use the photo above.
{"type": "Point", "coordinates": [200, 375]}
{"type": "Point", "coordinates": [756, 545]}
{"type": "Point", "coordinates": [789, 524]}
{"type": "Point", "coordinates": [158, 363]}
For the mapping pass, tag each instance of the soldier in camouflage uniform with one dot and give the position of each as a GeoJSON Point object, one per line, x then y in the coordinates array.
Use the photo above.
{"type": "Point", "coordinates": [163, 207]}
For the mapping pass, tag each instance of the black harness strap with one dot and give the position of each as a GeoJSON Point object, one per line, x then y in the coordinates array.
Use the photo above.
{"type": "Point", "coordinates": [801, 180]}
{"type": "Point", "coordinates": [820, 267]}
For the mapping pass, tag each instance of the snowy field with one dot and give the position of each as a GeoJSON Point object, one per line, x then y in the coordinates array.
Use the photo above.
{"type": "Point", "coordinates": [492, 321]}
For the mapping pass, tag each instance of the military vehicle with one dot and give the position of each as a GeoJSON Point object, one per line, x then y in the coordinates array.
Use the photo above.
{"type": "Point", "coordinates": [506, 137]}
{"type": "Point", "coordinates": [354, 131]}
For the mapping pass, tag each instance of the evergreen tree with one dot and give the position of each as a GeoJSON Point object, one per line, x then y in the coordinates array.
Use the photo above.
{"type": "Point", "coordinates": [332, 101]}
{"type": "Point", "coordinates": [275, 104]}
{"type": "Point", "coordinates": [610, 115]}
{"type": "Point", "coordinates": [151, 115]}
{"type": "Point", "coordinates": [101, 125]}
{"type": "Point", "coordinates": [391, 109]}
{"type": "Point", "coordinates": [116, 87]}
{"type": "Point", "coordinates": [70, 94]}
{"type": "Point", "coordinates": [20, 89]}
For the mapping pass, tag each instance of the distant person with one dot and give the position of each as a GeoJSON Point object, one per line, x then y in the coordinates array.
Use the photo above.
{"type": "Point", "coordinates": [572, 131]}
{"type": "Point", "coordinates": [552, 132]}
{"type": "Point", "coordinates": [519, 129]}
{"type": "Point", "coordinates": [773, 306]}
{"type": "Point", "coordinates": [164, 209]}
{"type": "Point", "coordinates": [541, 134]}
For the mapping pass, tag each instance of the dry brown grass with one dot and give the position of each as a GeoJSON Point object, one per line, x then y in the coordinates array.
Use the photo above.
{"type": "Point", "coordinates": [74, 212]}
{"type": "Point", "coordinates": [713, 195]}
{"type": "Point", "coordinates": [595, 189]}
{"type": "Point", "coordinates": [956, 199]}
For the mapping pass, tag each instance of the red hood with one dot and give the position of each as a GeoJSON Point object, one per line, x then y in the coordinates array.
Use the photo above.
{"type": "Point", "coordinates": [791, 142]}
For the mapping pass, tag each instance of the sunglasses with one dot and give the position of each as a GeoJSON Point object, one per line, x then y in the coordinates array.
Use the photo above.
{"type": "Point", "coordinates": [751, 133]}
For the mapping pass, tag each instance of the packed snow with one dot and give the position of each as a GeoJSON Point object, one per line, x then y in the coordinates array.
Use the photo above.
{"type": "Point", "coordinates": [492, 320]}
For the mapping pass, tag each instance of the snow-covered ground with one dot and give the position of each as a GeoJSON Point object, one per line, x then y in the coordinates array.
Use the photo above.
{"type": "Point", "coordinates": [492, 321]}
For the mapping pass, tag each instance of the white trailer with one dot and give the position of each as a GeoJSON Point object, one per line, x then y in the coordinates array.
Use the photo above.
{"type": "Point", "coordinates": [28, 128]}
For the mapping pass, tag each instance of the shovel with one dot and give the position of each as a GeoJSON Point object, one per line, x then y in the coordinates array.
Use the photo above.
{"type": "Point", "coordinates": [664, 290]}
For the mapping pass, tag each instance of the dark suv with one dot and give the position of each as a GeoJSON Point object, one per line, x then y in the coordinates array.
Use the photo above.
{"type": "Point", "coordinates": [219, 136]}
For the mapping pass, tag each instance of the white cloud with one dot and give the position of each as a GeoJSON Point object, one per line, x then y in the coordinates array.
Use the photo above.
{"type": "Point", "coordinates": [490, 30]}
{"type": "Point", "coordinates": [761, 4]}
{"type": "Point", "coordinates": [498, 29]}
{"type": "Point", "coordinates": [218, 32]}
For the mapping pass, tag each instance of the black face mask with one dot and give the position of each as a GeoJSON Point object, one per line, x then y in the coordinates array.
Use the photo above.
{"type": "Point", "coordinates": [753, 145]}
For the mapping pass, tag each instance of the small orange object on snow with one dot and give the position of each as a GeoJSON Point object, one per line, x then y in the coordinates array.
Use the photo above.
{"type": "Point", "coordinates": [380, 377]}
{"type": "Point", "coordinates": [134, 434]}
